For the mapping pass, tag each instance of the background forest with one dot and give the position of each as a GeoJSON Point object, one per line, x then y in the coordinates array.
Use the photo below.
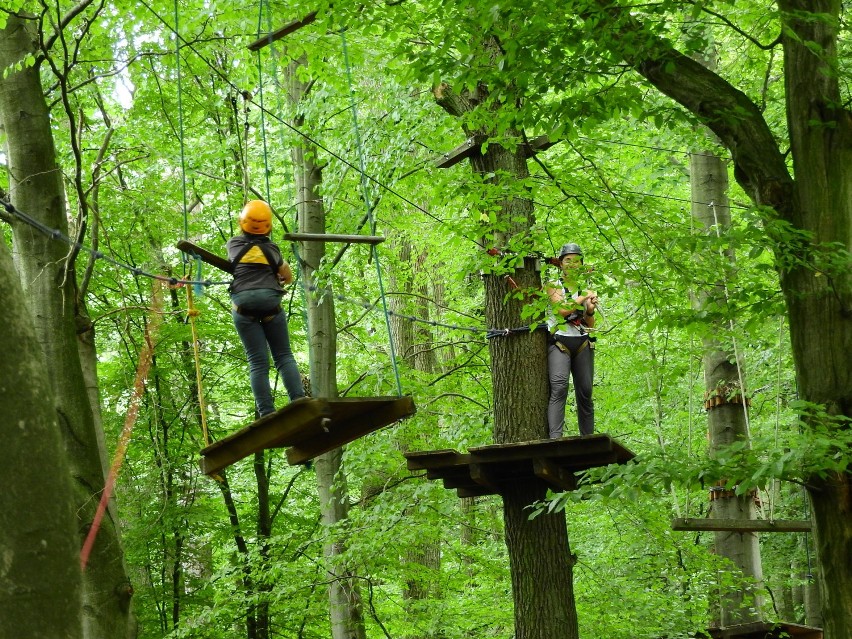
{"type": "Point", "coordinates": [164, 123]}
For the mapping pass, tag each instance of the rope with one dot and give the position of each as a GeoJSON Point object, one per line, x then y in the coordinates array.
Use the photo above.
{"type": "Point", "coordinates": [732, 327]}
{"type": "Point", "coordinates": [263, 111]}
{"type": "Point", "coordinates": [174, 281]}
{"type": "Point", "coordinates": [180, 128]}
{"type": "Point", "coordinates": [367, 203]}
{"type": "Point", "coordinates": [146, 357]}
{"type": "Point", "coordinates": [58, 235]}
{"type": "Point", "coordinates": [192, 313]}
{"type": "Point", "coordinates": [262, 107]}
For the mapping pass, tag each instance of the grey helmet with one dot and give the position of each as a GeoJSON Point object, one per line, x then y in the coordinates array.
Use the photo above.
{"type": "Point", "coordinates": [570, 248]}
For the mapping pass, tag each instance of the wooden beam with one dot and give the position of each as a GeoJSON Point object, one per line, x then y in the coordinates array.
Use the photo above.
{"type": "Point", "coordinates": [286, 30]}
{"type": "Point", "coordinates": [281, 428]}
{"type": "Point", "coordinates": [348, 422]}
{"type": "Point", "coordinates": [206, 256]}
{"type": "Point", "coordinates": [430, 459]}
{"type": "Point", "coordinates": [541, 143]}
{"type": "Point", "coordinates": [334, 237]}
{"type": "Point", "coordinates": [742, 525]}
{"type": "Point", "coordinates": [553, 474]}
{"type": "Point", "coordinates": [466, 149]}
{"type": "Point", "coordinates": [483, 476]}
{"type": "Point", "coordinates": [765, 630]}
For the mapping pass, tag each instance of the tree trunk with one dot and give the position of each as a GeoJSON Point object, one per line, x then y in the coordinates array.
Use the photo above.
{"type": "Point", "coordinates": [540, 558]}
{"type": "Point", "coordinates": [347, 621]}
{"type": "Point", "coordinates": [724, 377]}
{"type": "Point", "coordinates": [49, 287]}
{"type": "Point", "coordinates": [819, 298]}
{"type": "Point", "coordinates": [810, 220]}
{"type": "Point", "coordinates": [41, 581]}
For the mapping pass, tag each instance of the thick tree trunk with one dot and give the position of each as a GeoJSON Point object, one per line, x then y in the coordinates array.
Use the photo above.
{"type": "Point", "coordinates": [540, 558]}
{"type": "Point", "coordinates": [817, 205]}
{"type": "Point", "coordinates": [819, 298]}
{"type": "Point", "coordinates": [41, 582]}
{"type": "Point", "coordinates": [345, 607]}
{"type": "Point", "coordinates": [539, 555]}
{"type": "Point", "coordinates": [724, 378]}
{"type": "Point", "coordinates": [49, 287]}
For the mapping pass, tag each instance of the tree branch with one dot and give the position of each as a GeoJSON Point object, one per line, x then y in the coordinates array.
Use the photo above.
{"type": "Point", "coordinates": [728, 112]}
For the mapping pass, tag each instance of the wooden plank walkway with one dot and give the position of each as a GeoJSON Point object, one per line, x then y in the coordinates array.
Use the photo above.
{"type": "Point", "coordinates": [764, 630]}
{"type": "Point", "coordinates": [742, 525]}
{"type": "Point", "coordinates": [307, 428]}
{"type": "Point", "coordinates": [484, 470]}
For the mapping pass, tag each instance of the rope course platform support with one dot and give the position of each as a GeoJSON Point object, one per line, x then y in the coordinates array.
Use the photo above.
{"type": "Point", "coordinates": [471, 147]}
{"type": "Point", "coordinates": [742, 525]}
{"type": "Point", "coordinates": [287, 29]}
{"type": "Point", "coordinates": [307, 427]}
{"type": "Point", "coordinates": [486, 470]}
{"type": "Point", "coordinates": [765, 630]}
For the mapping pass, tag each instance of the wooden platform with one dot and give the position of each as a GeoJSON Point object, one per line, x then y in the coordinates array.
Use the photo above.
{"type": "Point", "coordinates": [763, 630]}
{"type": "Point", "coordinates": [742, 525]}
{"type": "Point", "coordinates": [485, 470]}
{"type": "Point", "coordinates": [307, 428]}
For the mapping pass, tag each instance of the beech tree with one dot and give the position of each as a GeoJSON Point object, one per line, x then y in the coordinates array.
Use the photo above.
{"type": "Point", "coordinates": [37, 507]}
{"type": "Point", "coordinates": [46, 269]}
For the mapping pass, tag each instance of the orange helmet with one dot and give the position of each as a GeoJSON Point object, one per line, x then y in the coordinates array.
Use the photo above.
{"type": "Point", "coordinates": [256, 218]}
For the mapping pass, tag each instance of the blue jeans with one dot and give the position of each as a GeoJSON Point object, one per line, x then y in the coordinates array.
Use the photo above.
{"type": "Point", "coordinates": [259, 338]}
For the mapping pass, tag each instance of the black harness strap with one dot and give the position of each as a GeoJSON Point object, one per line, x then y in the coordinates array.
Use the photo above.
{"type": "Point", "coordinates": [259, 316]}
{"type": "Point", "coordinates": [261, 243]}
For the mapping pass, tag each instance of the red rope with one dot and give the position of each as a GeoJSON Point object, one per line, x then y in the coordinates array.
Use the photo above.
{"type": "Point", "coordinates": [146, 357]}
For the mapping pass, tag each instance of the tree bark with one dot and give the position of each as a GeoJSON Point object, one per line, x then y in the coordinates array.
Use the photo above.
{"type": "Point", "coordinates": [41, 581]}
{"type": "Point", "coordinates": [345, 606]}
{"type": "Point", "coordinates": [49, 287]}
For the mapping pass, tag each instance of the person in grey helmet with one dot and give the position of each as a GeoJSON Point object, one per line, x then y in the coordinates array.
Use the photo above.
{"type": "Point", "coordinates": [570, 350]}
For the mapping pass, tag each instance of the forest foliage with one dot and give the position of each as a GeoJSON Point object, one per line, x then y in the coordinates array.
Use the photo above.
{"type": "Point", "coordinates": [165, 123]}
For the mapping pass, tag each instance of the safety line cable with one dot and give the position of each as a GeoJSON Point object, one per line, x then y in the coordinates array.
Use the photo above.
{"type": "Point", "coordinates": [262, 108]}
{"type": "Point", "coordinates": [280, 90]}
{"type": "Point", "coordinates": [192, 313]}
{"type": "Point", "coordinates": [174, 281]}
{"type": "Point", "coordinates": [58, 235]}
{"type": "Point", "coordinates": [294, 129]}
{"type": "Point", "coordinates": [490, 333]}
{"type": "Point", "coordinates": [368, 204]}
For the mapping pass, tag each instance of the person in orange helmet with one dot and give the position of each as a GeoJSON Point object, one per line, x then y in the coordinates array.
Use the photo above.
{"type": "Point", "coordinates": [256, 292]}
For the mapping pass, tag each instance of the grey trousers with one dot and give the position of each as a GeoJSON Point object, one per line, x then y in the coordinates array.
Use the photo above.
{"type": "Point", "coordinates": [560, 367]}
